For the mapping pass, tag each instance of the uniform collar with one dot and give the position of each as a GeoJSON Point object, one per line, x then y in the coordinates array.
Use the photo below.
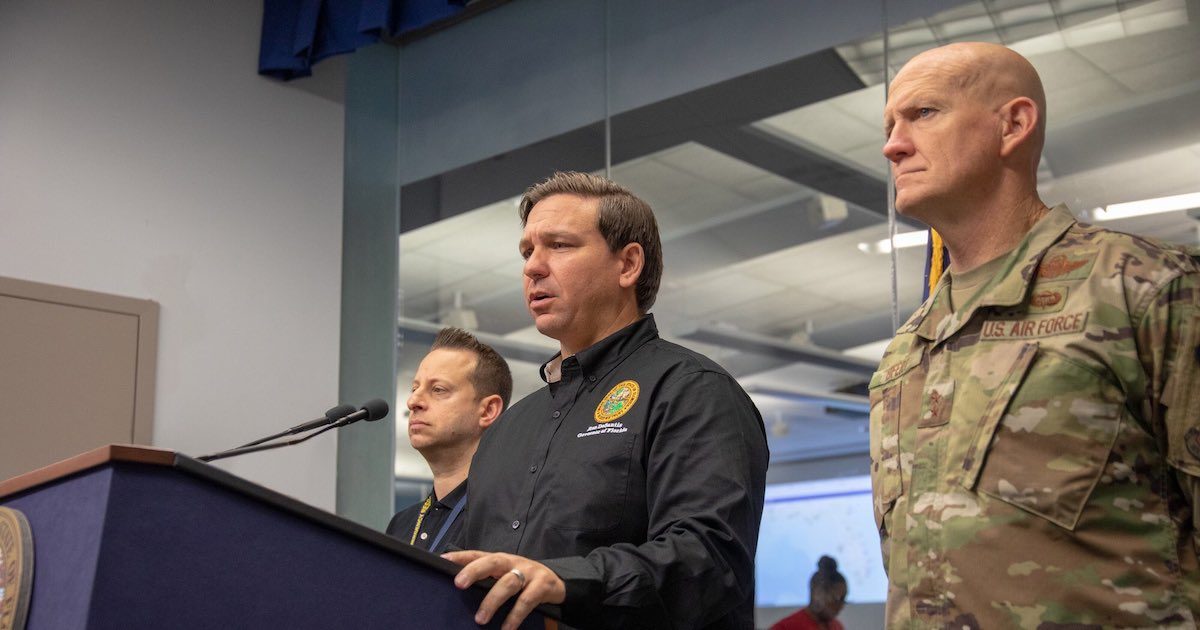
{"type": "Point", "coordinates": [601, 357]}
{"type": "Point", "coordinates": [934, 321]}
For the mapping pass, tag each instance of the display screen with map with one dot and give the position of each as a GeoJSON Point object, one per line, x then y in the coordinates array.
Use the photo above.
{"type": "Point", "coordinates": [803, 521]}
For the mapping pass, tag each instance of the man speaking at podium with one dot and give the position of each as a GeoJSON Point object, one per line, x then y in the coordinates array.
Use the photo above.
{"type": "Point", "coordinates": [630, 488]}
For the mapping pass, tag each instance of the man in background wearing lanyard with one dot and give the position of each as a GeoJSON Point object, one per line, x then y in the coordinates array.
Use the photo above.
{"type": "Point", "coordinates": [460, 388]}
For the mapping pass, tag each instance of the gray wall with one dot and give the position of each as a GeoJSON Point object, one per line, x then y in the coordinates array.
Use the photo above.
{"type": "Point", "coordinates": [141, 155]}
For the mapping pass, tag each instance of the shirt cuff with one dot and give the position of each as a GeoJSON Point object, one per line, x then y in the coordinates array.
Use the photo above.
{"type": "Point", "coordinates": [584, 586]}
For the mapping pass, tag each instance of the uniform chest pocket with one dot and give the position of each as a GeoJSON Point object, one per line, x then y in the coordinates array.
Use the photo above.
{"type": "Point", "coordinates": [1046, 437]}
{"type": "Point", "coordinates": [594, 471]}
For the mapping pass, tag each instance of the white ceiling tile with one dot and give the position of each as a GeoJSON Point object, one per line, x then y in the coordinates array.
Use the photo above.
{"type": "Point", "coordinates": [964, 10]}
{"type": "Point", "coordinates": [479, 287]}
{"type": "Point", "coordinates": [966, 26]}
{"type": "Point", "coordinates": [767, 187]}
{"type": "Point", "coordinates": [715, 292]}
{"type": "Point", "coordinates": [999, 6]}
{"type": "Point", "coordinates": [1025, 13]}
{"type": "Point", "coordinates": [711, 166]}
{"type": "Point", "coordinates": [1142, 50]}
{"type": "Point", "coordinates": [661, 185]}
{"type": "Point", "coordinates": [494, 215]}
{"type": "Point", "coordinates": [1104, 29]}
{"type": "Point", "coordinates": [704, 206]}
{"type": "Point", "coordinates": [825, 126]}
{"type": "Point", "coordinates": [865, 105]}
{"type": "Point", "coordinates": [1034, 47]}
{"type": "Point", "coordinates": [1155, 17]}
{"type": "Point", "coordinates": [916, 34]}
{"type": "Point", "coordinates": [420, 273]}
{"type": "Point", "coordinates": [482, 247]}
{"type": "Point", "coordinates": [759, 314]}
{"type": "Point", "coordinates": [424, 235]}
{"type": "Point", "coordinates": [1072, 13]}
{"type": "Point", "coordinates": [1167, 73]}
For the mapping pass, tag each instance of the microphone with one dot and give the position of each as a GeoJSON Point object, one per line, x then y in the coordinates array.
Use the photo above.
{"type": "Point", "coordinates": [331, 416]}
{"type": "Point", "coordinates": [372, 410]}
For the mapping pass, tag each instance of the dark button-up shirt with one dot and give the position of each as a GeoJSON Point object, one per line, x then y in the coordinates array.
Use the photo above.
{"type": "Point", "coordinates": [404, 523]}
{"type": "Point", "coordinates": [638, 478]}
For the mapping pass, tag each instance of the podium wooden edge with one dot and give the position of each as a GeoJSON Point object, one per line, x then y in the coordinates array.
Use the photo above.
{"type": "Point", "coordinates": [84, 461]}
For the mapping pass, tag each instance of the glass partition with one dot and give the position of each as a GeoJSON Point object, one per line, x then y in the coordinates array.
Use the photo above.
{"type": "Point", "coordinates": [755, 132]}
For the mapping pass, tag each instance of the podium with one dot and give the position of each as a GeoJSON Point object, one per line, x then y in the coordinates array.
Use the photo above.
{"type": "Point", "coordinates": [135, 537]}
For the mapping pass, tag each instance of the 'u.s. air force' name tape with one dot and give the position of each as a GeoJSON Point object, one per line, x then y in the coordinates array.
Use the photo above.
{"type": "Point", "coordinates": [1034, 328]}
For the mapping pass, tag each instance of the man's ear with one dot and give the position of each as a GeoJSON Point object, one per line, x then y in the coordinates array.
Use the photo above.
{"type": "Point", "coordinates": [489, 409]}
{"type": "Point", "coordinates": [1019, 120]}
{"type": "Point", "coordinates": [633, 259]}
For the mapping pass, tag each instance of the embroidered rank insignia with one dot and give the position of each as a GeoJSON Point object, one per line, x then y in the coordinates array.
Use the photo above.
{"type": "Point", "coordinates": [936, 408]}
{"type": "Point", "coordinates": [617, 402]}
{"type": "Point", "coordinates": [1048, 299]}
{"type": "Point", "coordinates": [1064, 267]}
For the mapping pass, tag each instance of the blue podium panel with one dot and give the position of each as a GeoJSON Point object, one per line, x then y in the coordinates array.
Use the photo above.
{"type": "Point", "coordinates": [135, 545]}
{"type": "Point", "coordinates": [67, 522]}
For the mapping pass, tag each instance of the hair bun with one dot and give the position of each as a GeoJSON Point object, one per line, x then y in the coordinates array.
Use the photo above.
{"type": "Point", "coordinates": [827, 565]}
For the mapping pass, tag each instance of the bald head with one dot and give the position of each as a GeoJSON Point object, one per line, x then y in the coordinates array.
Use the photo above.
{"type": "Point", "coordinates": [965, 127]}
{"type": "Point", "coordinates": [990, 73]}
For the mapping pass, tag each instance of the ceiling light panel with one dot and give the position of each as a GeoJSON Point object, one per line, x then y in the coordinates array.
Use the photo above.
{"type": "Point", "coordinates": [964, 28]}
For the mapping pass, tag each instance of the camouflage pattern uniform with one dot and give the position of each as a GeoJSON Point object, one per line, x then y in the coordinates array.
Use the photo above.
{"type": "Point", "coordinates": [1036, 454]}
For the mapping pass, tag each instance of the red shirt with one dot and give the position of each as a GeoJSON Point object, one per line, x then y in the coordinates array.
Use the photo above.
{"type": "Point", "coordinates": [801, 620]}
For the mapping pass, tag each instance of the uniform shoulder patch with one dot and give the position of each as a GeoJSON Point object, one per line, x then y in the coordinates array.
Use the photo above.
{"type": "Point", "coordinates": [617, 402]}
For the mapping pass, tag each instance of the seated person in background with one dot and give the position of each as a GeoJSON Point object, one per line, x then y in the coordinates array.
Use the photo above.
{"type": "Point", "coordinates": [460, 388]}
{"type": "Point", "coordinates": [826, 598]}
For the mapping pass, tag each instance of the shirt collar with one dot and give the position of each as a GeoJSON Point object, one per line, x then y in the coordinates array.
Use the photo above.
{"type": "Point", "coordinates": [934, 321]}
{"type": "Point", "coordinates": [452, 497]}
{"type": "Point", "coordinates": [601, 357]}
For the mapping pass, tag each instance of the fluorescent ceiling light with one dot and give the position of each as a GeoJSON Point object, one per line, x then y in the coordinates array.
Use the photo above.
{"type": "Point", "coordinates": [902, 240]}
{"type": "Point", "coordinates": [1147, 206]}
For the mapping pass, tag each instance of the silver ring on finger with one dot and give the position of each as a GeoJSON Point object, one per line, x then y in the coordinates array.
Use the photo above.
{"type": "Point", "coordinates": [520, 576]}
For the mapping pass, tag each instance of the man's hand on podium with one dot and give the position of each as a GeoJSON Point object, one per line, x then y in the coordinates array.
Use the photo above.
{"type": "Point", "coordinates": [533, 583]}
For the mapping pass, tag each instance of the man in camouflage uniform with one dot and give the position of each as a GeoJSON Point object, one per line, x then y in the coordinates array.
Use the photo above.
{"type": "Point", "coordinates": [1034, 425]}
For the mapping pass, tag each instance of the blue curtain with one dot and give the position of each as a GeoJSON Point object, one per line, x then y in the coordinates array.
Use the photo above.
{"type": "Point", "coordinates": [298, 33]}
